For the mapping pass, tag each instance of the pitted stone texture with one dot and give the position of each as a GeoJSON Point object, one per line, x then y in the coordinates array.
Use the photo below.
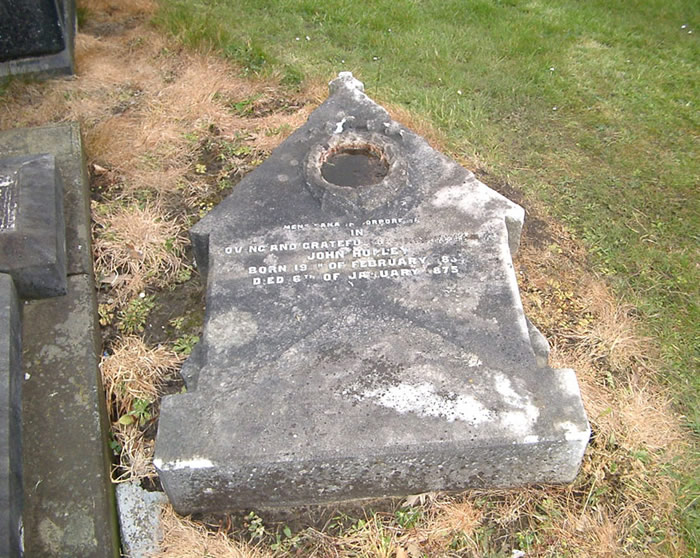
{"type": "Point", "coordinates": [69, 501]}
{"type": "Point", "coordinates": [139, 519]}
{"type": "Point", "coordinates": [37, 37]}
{"type": "Point", "coordinates": [33, 235]}
{"type": "Point", "coordinates": [355, 350]}
{"type": "Point", "coordinates": [64, 143]}
{"type": "Point", "coordinates": [10, 420]}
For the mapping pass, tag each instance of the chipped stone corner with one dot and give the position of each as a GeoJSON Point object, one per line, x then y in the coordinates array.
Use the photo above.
{"type": "Point", "coordinates": [345, 81]}
{"type": "Point", "coordinates": [139, 519]}
{"type": "Point", "coordinates": [540, 345]}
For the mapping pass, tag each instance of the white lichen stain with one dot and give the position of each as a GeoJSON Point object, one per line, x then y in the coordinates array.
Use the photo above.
{"type": "Point", "coordinates": [468, 197]}
{"type": "Point", "coordinates": [572, 432]}
{"type": "Point", "coordinates": [423, 400]}
{"type": "Point", "coordinates": [50, 535]}
{"type": "Point", "coordinates": [472, 360]}
{"type": "Point", "coordinates": [194, 463]}
{"type": "Point", "coordinates": [231, 328]}
{"type": "Point", "coordinates": [568, 382]}
{"type": "Point", "coordinates": [521, 419]}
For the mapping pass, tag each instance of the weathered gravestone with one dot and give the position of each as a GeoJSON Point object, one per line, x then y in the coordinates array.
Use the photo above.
{"type": "Point", "coordinates": [36, 36]}
{"type": "Point", "coordinates": [364, 334]}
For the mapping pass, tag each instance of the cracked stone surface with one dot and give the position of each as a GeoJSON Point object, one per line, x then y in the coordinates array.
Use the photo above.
{"type": "Point", "coordinates": [363, 341]}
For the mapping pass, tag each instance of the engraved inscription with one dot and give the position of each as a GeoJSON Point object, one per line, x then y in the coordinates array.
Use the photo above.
{"type": "Point", "coordinates": [360, 257]}
{"type": "Point", "coordinates": [8, 201]}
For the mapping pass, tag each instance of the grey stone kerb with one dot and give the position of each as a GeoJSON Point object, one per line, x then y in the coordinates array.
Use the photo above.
{"type": "Point", "coordinates": [363, 341]}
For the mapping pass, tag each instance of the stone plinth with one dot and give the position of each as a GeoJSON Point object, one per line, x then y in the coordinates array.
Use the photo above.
{"type": "Point", "coordinates": [69, 507]}
{"type": "Point", "coordinates": [364, 334]}
{"type": "Point", "coordinates": [32, 230]}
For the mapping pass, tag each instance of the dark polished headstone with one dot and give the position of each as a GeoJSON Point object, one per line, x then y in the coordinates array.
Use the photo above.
{"type": "Point", "coordinates": [10, 419]}
{"type": "Point", "coordinates": [32, 230]}
{"type": "Point", "coordinates": [29, 28]}
{"type": "Point", "coordinates": [37, 36]}
{"type": "Point", "coordinates": [364, 334]}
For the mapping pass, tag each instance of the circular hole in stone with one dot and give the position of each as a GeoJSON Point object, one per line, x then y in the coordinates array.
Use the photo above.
{"type": "Point", "coordinates": [354, 165]}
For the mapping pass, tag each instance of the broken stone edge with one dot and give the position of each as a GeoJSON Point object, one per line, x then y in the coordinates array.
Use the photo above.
{"type": "Point", "coordinates": [185, 477]}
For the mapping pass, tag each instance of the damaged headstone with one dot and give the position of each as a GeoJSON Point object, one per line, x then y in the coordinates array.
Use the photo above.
{"type": "Point", "coordinates": [364, 334]}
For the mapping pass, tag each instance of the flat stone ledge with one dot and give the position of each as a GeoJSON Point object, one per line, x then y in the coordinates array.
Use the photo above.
{"type": "Point", "coordinates": [69, 499]}
{"type": "Point", "coordinates": [10, 420]}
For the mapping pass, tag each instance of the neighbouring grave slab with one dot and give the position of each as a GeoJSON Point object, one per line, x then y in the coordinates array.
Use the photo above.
{"type": "Point", "coordinates": [69, 505]}
{"type": "Point", "coordinates": [32, 230]}
{"type": "Point", "coordinates": [63, 141]}
{"type": "Point", "coordinates": [364, 334]}
{"type": "Point", "coordinates": [37, 37]}
{"type": "Point", "coordinates": [10, 419]}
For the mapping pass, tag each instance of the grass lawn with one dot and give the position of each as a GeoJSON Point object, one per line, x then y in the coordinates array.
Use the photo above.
{"type": "Point", "coordinates": [591, 108]}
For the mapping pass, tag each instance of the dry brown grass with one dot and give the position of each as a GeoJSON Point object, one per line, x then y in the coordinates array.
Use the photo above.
{"type": "Point", "coordinates": [146, 109]}
{"type": "Point", "coordinates": [133, 376]}
{"type": "Point", "coordinates": [184, 538]}
{"type": "Point", "coordinates": [104, 9]}
{"type": "Point", "coordinates": [628, 498]}
{"type": "Point", "coordinates": [136, 247]}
